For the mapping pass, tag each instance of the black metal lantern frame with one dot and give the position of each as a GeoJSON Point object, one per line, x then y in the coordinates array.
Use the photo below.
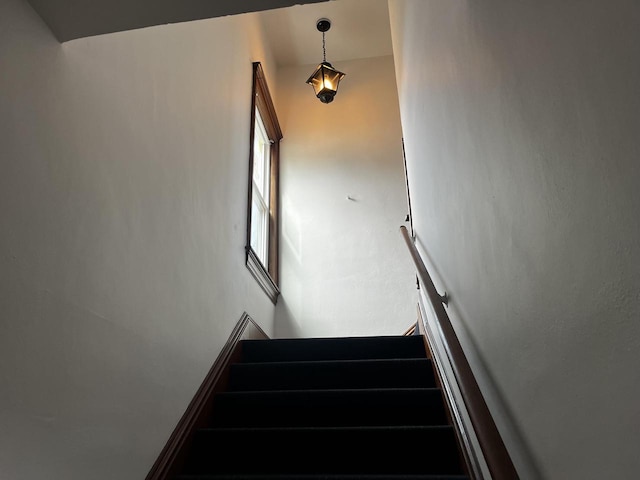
{"type": "Point", "coordinates": [325, 79]}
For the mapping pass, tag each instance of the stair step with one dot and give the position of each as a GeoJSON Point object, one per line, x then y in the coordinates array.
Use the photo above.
{"type": "Point", "coordinates": [321, 477]}
{"type": "Point", "coordinates": [349, 348]}
{"type": "Point", "coordinates": [333, 374]}
{"type": "Point", "coordinates": [324, 408]}
{"type": "Point", "coordinates": [293, 451]}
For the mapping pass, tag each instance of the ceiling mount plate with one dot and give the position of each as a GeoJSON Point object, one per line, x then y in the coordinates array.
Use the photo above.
{"type": "Point", "coordinates": [323, 24]}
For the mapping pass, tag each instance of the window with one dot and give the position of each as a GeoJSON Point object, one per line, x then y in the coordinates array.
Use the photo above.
{"type": "Point", "coordinates": [262, 215]}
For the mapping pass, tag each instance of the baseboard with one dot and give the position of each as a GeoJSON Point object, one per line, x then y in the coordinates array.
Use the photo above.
{"type": "Point", "coordinates": [172, 454]}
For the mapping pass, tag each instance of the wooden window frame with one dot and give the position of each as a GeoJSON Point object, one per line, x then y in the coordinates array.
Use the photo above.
{"type": "Point", "coordinates": [266, 275]}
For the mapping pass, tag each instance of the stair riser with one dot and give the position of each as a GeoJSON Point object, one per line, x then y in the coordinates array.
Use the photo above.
{"type": "Point", "coordinates": [409, 373]}
{"type": "Point", "coordinates": [329, 408]}
{"type": "Point", "coordinates": [287, 350]}
{"type": "Point", "coordinates": [319, 451]}
{"type": "Point", "coordinates": [322, 477]}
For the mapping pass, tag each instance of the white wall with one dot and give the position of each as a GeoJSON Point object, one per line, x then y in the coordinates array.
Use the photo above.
{"type": "Point", "coordinates": [345, 269]}
{"type": "Point", "coordinates": [122, 205]}
{"type": "Point", "coordinates": [521, 124]}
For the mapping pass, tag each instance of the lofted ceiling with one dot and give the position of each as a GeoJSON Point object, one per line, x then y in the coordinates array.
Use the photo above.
{"type": "Point", "coordinates": [360, 29]}
{"type": "Point", "coordinates": [69, 19]}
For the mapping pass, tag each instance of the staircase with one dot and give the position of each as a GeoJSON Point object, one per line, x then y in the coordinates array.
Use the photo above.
{"type": "Point", "coordinates": [335, 408]}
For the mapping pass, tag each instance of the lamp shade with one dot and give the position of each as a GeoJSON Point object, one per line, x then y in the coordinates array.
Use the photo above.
{"type": "Point", "coordinates": [325, 82]}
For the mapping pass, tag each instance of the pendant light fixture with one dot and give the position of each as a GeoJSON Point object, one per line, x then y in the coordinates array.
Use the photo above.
{"type": "Point", "coordinates": [325, 79]}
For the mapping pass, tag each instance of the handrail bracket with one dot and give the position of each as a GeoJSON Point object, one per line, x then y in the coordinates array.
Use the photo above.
{"type": "Point", "coordinates": [445, 299]}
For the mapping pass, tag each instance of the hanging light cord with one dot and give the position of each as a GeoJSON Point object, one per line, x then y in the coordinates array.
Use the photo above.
{"type": "Point", "coordinates": [324, 50]}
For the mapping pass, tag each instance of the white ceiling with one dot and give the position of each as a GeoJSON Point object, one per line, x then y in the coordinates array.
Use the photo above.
{"type": "Point", "coordinates": [359, 29]}
{"type": "Point", "coordinates": [69, 19]}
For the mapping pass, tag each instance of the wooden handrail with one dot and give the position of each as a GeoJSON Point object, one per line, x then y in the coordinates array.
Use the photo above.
{"type": "Point", "coordinates": [409, 331]}
{"type": "Point", "coordinates": [495, 453]}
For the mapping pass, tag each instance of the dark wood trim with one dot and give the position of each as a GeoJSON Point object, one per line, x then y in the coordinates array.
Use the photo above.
{"type": "Point", "coordinates": [274, 216]}
{"type": "Point", "coordinates": [266, 275]}
{"type": "Point", "coordinates": [263, 100]}
{"type": "Point", "coordinates": [465, 449]}
{"type": "Point", "coordinates": [252, 123]}
{"type": "Point", "coordinates": [493, 448]}
{"type": "Point", "coordinates": [260, 273]}
{"type": "Point", "coordinates": [173, 453]}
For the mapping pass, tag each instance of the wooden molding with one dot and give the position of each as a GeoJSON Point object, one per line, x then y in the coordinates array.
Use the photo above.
{"type": "Point", "coordinates": [173, 453]}
{"type": "Point", "coordinates": [409, 331]}
{"type": "Point", "coordinates": [265, 103]}
{"type": "Point", "coordinates": [267, 275]}
{"type": "Point", "coordinates": [261, 274]}
{"type": "Point", "coordinates": [465, 448]}
{"type": "Point", "coordinates": [493, 448]}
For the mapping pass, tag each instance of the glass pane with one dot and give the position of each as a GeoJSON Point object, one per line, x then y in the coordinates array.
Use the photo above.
{"type": "Point", "coordinates": [259, 226]}
{"type": "Point", "coordinates": [260, 190]}
{"type": "Point", "coordinates": [258, 156]}
{"type": "Point", "coordinates": [261, 158]}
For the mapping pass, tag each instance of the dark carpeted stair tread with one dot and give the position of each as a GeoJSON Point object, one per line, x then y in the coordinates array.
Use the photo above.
{"type": "Point", "coordinates": [387, 373]}
{"type": "Point", "coordinates": [348, 348]}
{"type": "Point", "coordinates": [387, 450]}
{"type": "Point", "coordinates": [321, 477]}
{"type": "Point", "coordinates": [341, 407]}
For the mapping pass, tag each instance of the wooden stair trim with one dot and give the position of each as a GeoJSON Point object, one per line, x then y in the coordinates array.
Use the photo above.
{"type": "Point", "coordinates": [452, 408]}
{"type": "Point", "coordinates": [493, 448]}
{"type": "Point", "coordinates": [172, 455]}
{"type": "Point", "coordinates": [409, 331]}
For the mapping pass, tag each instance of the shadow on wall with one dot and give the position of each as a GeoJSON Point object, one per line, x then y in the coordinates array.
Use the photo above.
{"type": "Point", "coordinates": [510, 429]}
{"type": "Point", "coordinates": [285, 325]}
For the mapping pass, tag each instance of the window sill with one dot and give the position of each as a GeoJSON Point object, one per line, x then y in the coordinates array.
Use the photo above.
{"type": "Point", "coordinates": [261, 275]}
